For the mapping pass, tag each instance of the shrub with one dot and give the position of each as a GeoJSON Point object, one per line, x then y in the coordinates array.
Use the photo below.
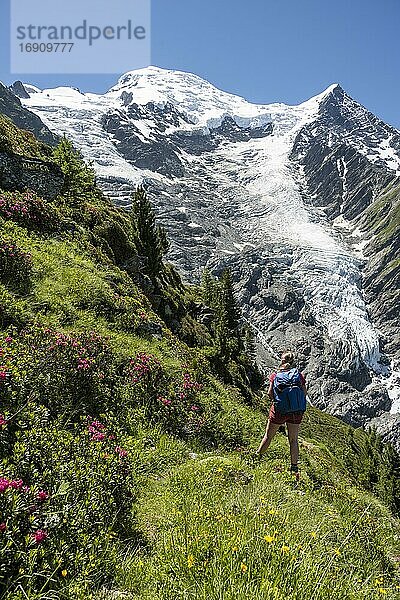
{"type": "Point", "coordinates": [68, 373]}
{"type": "Point", "coordinates": [13, 311]}
{"type": "Point", "coordinates": [28, 210]}
{"type": "Point", "coordinates": [68, 505]}
{"type": "Point", "coordinates": [15, 266]}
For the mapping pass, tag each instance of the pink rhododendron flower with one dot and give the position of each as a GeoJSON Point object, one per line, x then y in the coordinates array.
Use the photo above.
{"type": "Point", "coordinates": [40, 535]}
{"type": "Point", "coordinates": [122, 453]}
{"type": "Point", "coordinates": [4, 484]}
{"type": "Point", "coordinates": [98, 437]}
{"type": "Point", "coordinates": [3, 527]}
{"type": "Point", "coordinates": [42, 495]}
{"type": "Point", "coordinates": [83, 363]}
{"type": "Point", "coordinates": [16, 484]}
{"type": "Point", "coordinates": [194, 408]}
{"type": "Point", "coordinates": [3, 421]}
{"type": "Point", "coordinates": [165, 401]}
{"type": "Point", "coordinates": [9, 339]}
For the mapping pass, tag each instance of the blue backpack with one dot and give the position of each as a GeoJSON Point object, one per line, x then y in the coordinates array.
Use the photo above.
{"type": "Point", "coordinates": [288, 394]}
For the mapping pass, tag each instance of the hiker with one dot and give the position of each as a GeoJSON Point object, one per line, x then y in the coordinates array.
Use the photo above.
{"type": "Point", "coordinates": [287, 391]}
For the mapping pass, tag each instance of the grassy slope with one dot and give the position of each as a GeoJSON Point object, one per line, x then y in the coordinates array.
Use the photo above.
{"type": "Point", "coordinates": [382, 219]}
{"type": "Point", "coordinates": [214, 524]}
{"type": "Point", "coordinates": [22, 142]}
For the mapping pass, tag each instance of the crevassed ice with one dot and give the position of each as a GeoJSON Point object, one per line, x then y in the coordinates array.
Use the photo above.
{"type": "Point", "coordinates": [276, 212]}
{"type": "Point", "coordinates": [262, 166]}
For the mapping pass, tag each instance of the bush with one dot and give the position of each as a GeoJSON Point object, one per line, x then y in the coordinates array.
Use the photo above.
{"type": "Point", "coordinates": [28, 210]}
{"type": "Point", "coordinates": [67, 505]}
{"type": "Point", "coordinates": [13, 311]}
{"type": "Point", "coordinates": [15, 266]}
{"type": "Point", "coordinates": [67, 373]}
{"type": "Point", "coordinates": [172, 400]}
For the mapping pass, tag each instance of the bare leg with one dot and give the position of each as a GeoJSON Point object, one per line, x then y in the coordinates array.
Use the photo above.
{"type": "Point", "coordinates": [267, 439]}
{"type": "Point", "coordinates": [293, 435]}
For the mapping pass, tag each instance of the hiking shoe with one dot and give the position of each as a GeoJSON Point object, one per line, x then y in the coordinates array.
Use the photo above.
{"type": "Point", "coordinates": [294, 470]}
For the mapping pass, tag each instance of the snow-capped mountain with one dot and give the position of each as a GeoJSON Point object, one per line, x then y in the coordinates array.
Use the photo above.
{"type": "Point", "coordinates": [287, 196]}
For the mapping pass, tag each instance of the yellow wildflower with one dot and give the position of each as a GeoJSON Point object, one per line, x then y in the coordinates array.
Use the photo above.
{"type": "Point", "coordinates": [269, 539]}
{"type": "Point", "coordinates": [64, 572]}
{"type": "Point", "coordinates": [285, 549]}
{"type": "Point", "coordinates": [272, 511]}
{"type": "Point", "coordinates": [234, 549]}
{"type": "Point", "coordinates": [313, 534]}
{"type": "Point", "coordinates": [382, 591]}
{"type": "Point", "coordinates": [337, 552]}
{"type": "Point", "coordinates": [243, 567]}
{"type": "Point", "coordinates": [190, 561]}
{"type": "Point", "coordinates": [379, 581]}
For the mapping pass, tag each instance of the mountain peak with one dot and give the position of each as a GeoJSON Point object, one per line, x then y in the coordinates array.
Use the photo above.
{"type": "Point", "coordinates": [335, 90]}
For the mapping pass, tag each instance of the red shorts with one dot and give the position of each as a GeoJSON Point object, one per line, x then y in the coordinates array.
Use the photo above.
{"type": "Point", "coordinates": [278, 419]}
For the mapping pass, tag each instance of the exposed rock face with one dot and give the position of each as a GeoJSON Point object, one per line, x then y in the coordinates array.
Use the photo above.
{"type": "Point", "coordinates": [344, 154]}
{"type": "Point", "coordinates": [161, 151]}
{"type": "Point", "coordinates": [19, 90]}
{"type": "Point", "coordinates": [11, 106]}
{"type": "Point", "coordinates": [286, 196]}
{"type": "Point", "coordinates": [346, 157]}
{"type": "Point", "coordinates": [21, 173]}
{"type": "Point", "coordinates": [381, 222]}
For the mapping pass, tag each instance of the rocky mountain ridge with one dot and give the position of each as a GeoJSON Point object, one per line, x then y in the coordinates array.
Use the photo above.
{"type": "Point", "coordinates": [292, 198]}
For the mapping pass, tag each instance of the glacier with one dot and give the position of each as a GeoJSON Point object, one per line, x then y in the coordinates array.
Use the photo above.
{"type": "Point", "coordinates": [250, 191]}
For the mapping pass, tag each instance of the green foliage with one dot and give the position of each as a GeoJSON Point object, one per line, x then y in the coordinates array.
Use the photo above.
{"type": "Point", "coordinates": [70, 374]}
{"type": "Point", "coordinates": [63, 518]}
{"type": "Point", "coordinates": [219, 295]}
{"type": "Point", "coordinates": [373, 464]}
{"type": "Point", "coordinates": [383, 216]}
{"type": "Point", "coordinates": [229, 355]}
{"type": "Point", "coordinates": [221, 529]}
{"type": "Point", "coordinates": [15, 266]}
{"type": "Point", "coordinates": [141, 451]}
{"type": "Point", "coordinates": [21, 142]}
{"type": "Point", "coordinates": [151, 241]}
{"type": "Point", "coordinates": [79, 179]}
{"type": "Point", "coordinates": [29, 211]}
{"type": "Point", "coordinates": [250, 343]}
{"type": "Point", "coordinates": [13, 310]}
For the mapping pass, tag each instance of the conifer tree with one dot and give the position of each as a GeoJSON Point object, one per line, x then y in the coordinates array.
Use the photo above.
{"type": "Point", "coordinates": [209, 288]}
{"type": "Point", "coordinates": [250, 343]}
{"type": "Point", "coordinates": [150, 239]}
{"type": "Point", "coordinates": [221, 328]}
{"type": "Point", "coordinates": [229, 301]}
{"type": "Point", "coordinates": [79, 178]}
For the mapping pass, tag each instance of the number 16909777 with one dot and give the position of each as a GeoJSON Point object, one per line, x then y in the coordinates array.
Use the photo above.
{"type": "Point", "coordinates": [46, 47]}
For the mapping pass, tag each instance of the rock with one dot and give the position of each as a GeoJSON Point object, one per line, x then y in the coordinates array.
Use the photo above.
{"type": "Point", "coordinates": [11, 106]}
{"type": "Point", "coordinates": [284, 201]}
{"type": "Point", "coordinates": [18, 90]}
{"type": "Point", "coordinates": [20, 173]}
{"type": "Point", "coordinates": [150, 328]}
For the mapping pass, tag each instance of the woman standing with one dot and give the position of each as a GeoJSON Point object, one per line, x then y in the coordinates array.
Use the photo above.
{"type": "Point", "coordinates": [287, 391]}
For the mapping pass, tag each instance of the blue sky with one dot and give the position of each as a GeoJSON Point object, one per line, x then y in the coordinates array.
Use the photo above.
{"type": "Point", "coordinates": [268, 50]}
